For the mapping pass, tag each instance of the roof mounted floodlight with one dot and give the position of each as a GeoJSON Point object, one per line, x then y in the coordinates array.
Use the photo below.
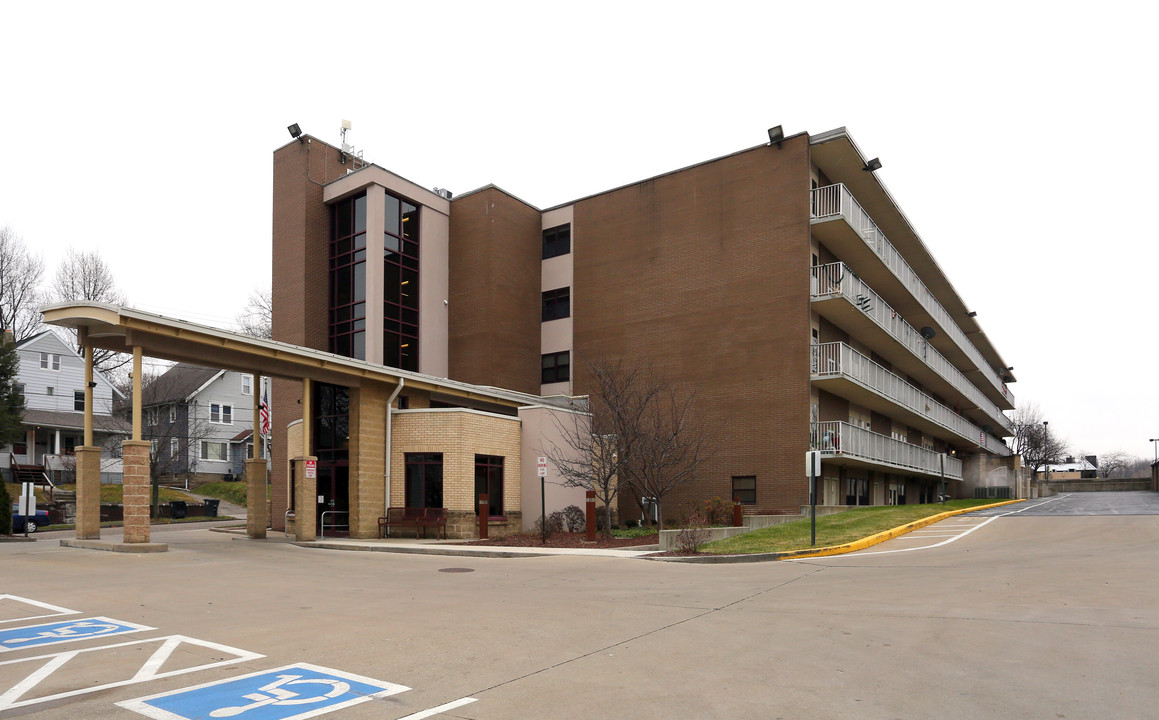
{"type": "Point", "coordinates": [295, 131]}
{"type": "Point", "coordinates": [872, 165]}
{"type": "Point", "coordinates": [972, 314]}
{"type": "Point", "coordinates": [776, 135]}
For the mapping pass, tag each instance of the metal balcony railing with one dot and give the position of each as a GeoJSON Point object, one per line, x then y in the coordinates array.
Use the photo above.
{"type": "Point", "coordinates": [833, 200]}
{"type": "Point", "coordinates": [839, 438]}
{"type": "Point", "coordinates": [831, 359]}
{"type": "Point", "coordinates": [837, 279]}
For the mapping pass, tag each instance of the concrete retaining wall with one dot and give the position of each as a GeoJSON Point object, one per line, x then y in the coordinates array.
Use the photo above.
{"type": "Point", "coordinates": [751, 522]}
{"type": "Point", "coordinates": [1053, 488]}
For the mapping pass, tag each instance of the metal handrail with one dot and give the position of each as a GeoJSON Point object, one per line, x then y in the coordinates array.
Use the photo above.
{"type": "Point", "coordinates": [836, 199]}
{"type": "Point", "coordinates": [840, 438]}
{"type": "Point", "coordinates": [322, 534]}
{"type": "Point", "coordinates": [837, 279]}
{"type": "Point", "coordinates": [837, 358]}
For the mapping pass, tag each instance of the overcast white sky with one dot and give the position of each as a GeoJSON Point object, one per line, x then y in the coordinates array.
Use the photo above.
{"type": "Point", "coordinates": [1017, 138]}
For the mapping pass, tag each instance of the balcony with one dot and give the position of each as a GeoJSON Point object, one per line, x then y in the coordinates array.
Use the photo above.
{"type": "Point", "coordinates": [844, 444]}
{"type": "Point", "coordinates": [834, 203]}
{"type": "Point", "coordinates": [841, 369]}
{"type": "Point", "coordinates": [855, 307]}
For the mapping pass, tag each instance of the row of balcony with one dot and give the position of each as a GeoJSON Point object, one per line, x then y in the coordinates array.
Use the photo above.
{"type": "Point", "coordinates": [837, 280]}
{"type": "Point", "coordinates": [848, 442]}
{"type": "Point", "coordinates": [837, 359]}
{"type": "Point", "coordinates": [836, 201]}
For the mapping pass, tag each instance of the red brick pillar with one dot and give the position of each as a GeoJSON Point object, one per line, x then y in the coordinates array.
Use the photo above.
{"type": "Point", "coordinates": [591, 515]}
{"type": "Point", "coordinates": [737, 513]}
{"type": "Point", "coordinates": [135, 459]}
{"type": "Point", "coordinates": [484, 514]}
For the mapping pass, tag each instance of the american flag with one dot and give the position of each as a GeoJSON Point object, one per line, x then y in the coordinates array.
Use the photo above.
{"type": "Point", "coordinates": [265, 414]}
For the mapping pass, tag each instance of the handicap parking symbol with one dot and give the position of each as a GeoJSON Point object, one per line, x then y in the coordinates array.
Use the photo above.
{"type": "Point", "coordinates": [287, 693]}
{"type": "Point", "coordinates": [64, 631]}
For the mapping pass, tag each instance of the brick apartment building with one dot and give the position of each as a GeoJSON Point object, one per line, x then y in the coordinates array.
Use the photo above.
{"type": "Point", "coordinates": [783, 282]}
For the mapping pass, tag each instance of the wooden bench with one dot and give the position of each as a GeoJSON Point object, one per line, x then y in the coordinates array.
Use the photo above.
{"type": "Point", "coordinates": [418, 518]}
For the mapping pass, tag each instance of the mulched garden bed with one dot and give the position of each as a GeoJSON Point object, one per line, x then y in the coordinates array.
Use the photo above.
{"type": "Point", "coordinates": [568, 540]}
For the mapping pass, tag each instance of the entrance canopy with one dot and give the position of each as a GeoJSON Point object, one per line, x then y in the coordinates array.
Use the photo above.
{"type": "Point", "coordinates": [122, 329]}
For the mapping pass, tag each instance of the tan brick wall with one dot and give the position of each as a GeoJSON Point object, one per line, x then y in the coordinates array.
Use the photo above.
{"type": "Point", "coordinates": [496, 252]}
{"type": "Point", "coordinates": [704, 274]}
{"type": "Point", "coordinates": [459, 435]}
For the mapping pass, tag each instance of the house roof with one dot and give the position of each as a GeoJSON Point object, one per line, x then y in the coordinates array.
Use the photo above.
{"type": "Point", "coordinates": [242, 436]}
{"type": "Point", "coordinates": [177, 384]}
{"type": "Point", "coordinates": [74, 421]}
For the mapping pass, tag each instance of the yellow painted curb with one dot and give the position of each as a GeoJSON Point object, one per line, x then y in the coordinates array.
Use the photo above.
{"type": "Point", "coordinates": [867, 541]}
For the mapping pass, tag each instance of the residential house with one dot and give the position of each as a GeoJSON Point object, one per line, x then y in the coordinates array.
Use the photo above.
{"type": "Point", "coordinates": [198, 420]}
{"type": "Point", "coordinates": [52, 380]}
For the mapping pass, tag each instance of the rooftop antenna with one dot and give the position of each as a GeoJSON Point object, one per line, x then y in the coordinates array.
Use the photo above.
{"type": "Point", "coordinates": [346, 149]}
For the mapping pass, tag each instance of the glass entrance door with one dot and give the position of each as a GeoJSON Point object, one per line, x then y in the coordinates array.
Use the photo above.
{"type": "Point", "coordinates": [333, 517]}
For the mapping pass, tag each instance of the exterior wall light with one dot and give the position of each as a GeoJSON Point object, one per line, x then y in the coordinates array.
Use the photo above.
{"type": "Point", "coordinates": [776, 135]}
{"type": "Point", "coordinates": [872, 165]}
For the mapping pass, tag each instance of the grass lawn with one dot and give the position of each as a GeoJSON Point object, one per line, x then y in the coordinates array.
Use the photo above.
{"type": "Point", "coordinates": [232, 492]}
{"type": "Point", "coordinates": [838, 529]}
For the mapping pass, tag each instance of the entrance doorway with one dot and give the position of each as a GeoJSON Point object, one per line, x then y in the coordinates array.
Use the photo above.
{"type": "Point", "coordinates": [333, 515]}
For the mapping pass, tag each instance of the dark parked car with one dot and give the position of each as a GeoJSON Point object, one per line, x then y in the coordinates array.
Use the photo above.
{"type": "Point", "coordinates": [34, 522]}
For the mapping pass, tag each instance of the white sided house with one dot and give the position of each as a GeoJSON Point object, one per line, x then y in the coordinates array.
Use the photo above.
{"type": "Point", "coordinates": [52, 381]}
{"type": "Point", "coordinates": [199, 421]}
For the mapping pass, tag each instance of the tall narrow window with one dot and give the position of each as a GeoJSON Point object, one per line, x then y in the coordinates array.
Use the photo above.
{"type": "Point", "coordinates": [348, 278]}
{"type": "Point", "coordinates": [556, 241]}
{"type": "Point", "coordinates": [556, 304]}
{"type": "Point", "coordinates": [556, 367]}
{"type": "Point", "coordinates": [78, 400]}
{"type": "Point", "coordinates": [489, 479]}
{"type": "Point", "coordinates": [424, 480]}
{"type": "Point", "coordinates": [400, 266]}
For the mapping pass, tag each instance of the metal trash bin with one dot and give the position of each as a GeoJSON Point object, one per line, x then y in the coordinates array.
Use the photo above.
{"type": "Point", "coordinates": [211, 507]}
{"type": "Point", "coordinates": [178, 509]}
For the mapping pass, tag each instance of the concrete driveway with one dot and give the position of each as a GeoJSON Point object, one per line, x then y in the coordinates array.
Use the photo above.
{"type": "Point", "coordinates": [1041, 617]}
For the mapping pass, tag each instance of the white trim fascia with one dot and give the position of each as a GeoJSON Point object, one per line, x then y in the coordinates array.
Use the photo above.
{"type": "Point", "coordinates": [207, 383]}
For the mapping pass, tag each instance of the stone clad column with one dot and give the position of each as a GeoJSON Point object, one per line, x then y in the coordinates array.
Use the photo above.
{"type": "Point", "coordinates": [305, 502]}
{"type": "Point", "coordinates": [88, 493]}
{"type": "Point", "coordinates": [367, 458]}
{"type": "Point", "coordinates": [135, 455]}
{"type": "Point", "coordinates": [257, 508]}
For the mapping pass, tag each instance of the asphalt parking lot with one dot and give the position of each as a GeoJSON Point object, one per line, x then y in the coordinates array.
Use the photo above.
{"type": "Point", "coordinates": [982, 617]}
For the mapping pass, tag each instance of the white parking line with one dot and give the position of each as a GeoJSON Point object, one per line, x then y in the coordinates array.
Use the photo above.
{"type": "Point", "coordinates": [57, 610]}
{"type": "Point", "coordinates": [956, 537]}
{"type": "Point", "coordinates": [149, 669]}
{"type": "Point", "coordinates": [440, 709]}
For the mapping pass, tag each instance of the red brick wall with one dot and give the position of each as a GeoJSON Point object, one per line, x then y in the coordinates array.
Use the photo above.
{"type": "Point", "coordinates": [301, 237]}
{"type": "Point", "coordinates": [496, 252]}
{"type": "Point", "coordinates": [704, 273]}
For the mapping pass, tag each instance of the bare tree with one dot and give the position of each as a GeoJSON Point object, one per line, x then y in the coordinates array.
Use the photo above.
{"type": "Point", "coordinates": [257, 318]}
{"type": "Point", "coordinates": [173, 428]}
{"type": "Point", "coordinates": [604, 429]}
{"type": "Point", "coordinates": [1113, 463]}
{"type": "Point", "coordinates": [671, 446]}
{"type": "Point", "coordinates": [20, 276]}
{"type": "Point", "coordinates": [83, 275]}
{"type": "Point", "coordinates": [1034, 441]}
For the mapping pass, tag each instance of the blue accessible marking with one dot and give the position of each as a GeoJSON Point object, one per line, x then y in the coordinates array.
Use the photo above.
{"type": "Point", "coordinates": [293, 692]}
{"type": "Point", "coordinates": [64, 631]}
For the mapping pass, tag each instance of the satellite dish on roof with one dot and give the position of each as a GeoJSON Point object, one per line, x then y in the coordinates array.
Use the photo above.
{"type": "Point", "coordinates": [928, 332]}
